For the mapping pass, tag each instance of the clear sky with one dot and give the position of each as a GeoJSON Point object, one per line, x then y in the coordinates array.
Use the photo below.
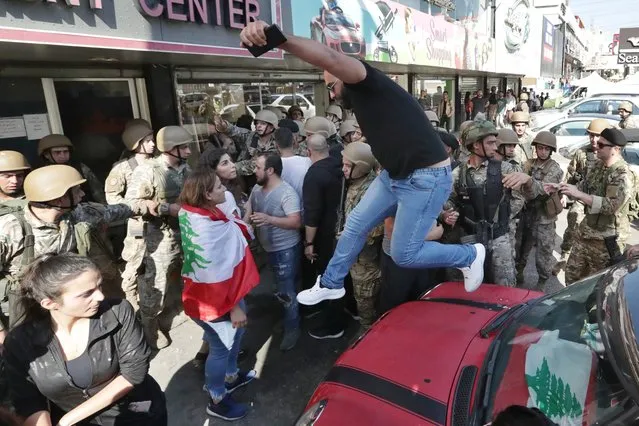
{"type": "Point", "coordinates": [609, 15]}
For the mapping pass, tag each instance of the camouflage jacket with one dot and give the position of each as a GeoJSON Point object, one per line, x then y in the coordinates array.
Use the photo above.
{"type": "Point", "coordinates": [612, 190]}
{"type": "Point", "coordinates": [249, 145]}
{"type": "Point", "coordinates": [156, 180]}
{"type": "Point", "coordinates": [524, 150]}
{"type": "Point", "coordinates": [583, 161]}
{"type": "Point", "coordinates": [118, 180]}
{"type": "Point", "coordinates": [96, 188]}
{"type": "Point", "coordinates": [366, 268]}
{"type": "Point", "coordinates": [302, 149]}
{"type": "Point", "coordinates": [631, 122]}
{"type": "Point", "coordinates": [479, 176]}
{"type": "Point", "coordinates": [543, 172]}
{"type": "Point", "coordinates": [56, 237]}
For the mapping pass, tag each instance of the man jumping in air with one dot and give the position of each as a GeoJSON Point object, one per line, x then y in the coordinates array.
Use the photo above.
{"type": "Point", "coordinates": [415, 182]}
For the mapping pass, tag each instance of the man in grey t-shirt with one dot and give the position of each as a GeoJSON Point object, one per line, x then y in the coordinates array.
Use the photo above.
{"type": "Point", "coordinates": [275, 211]}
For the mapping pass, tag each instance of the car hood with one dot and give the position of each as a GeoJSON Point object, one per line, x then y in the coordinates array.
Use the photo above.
{"type": "Point", "coordinates": [410, 358]}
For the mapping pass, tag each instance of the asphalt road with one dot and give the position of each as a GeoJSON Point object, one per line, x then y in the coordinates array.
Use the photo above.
{"type": "Point", "coordinates": [286, 380]}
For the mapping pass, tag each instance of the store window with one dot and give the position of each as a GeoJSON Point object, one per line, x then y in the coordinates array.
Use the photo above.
{"type": "Point", "coordinates": [23, 115]}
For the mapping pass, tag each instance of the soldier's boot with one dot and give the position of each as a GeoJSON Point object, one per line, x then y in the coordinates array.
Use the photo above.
{"type": "Point", "coordinates": [132, 298]}
{"type": "Point", "coordinates": [154, 337]}
{"type": "Point", "coordinates": [561, 263]}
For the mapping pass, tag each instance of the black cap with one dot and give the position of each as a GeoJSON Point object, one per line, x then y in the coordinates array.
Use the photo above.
{"type": "Point", "coordinates": [449, 139]}
{"type": "Point", "coordinates": [614, 136]}
{"type": "Point", "coordinates": [289, 124]}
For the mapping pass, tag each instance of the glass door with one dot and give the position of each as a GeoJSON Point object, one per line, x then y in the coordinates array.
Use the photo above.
{"type": "Point", "coordinates": [92, 113]}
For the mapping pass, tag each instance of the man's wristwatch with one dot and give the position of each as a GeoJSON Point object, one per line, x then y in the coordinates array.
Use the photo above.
{"type": "Point", "coordinates": [307, 244]}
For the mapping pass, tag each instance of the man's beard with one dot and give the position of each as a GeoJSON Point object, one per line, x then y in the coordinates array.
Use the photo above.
{"type": "Point", "coordinates": [263, 181]}
{"type": "Point", "coordinates": [346, 98]}
{"type": "Point", "coordinates": [12, 194]}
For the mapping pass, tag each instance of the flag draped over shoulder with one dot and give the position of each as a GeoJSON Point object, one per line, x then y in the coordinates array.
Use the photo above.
{"type": "Point", "coordinates": [218, 269]}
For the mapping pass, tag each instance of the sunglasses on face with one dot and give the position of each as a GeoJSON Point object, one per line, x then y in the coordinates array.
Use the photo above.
{"type": "Point", "coordinates": [603, 145]}
{"type": "Point", "coordinates": [331, 86]}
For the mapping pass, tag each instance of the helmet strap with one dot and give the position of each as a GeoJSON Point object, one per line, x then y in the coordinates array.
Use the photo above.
{"type": "Point", "coordinates": [181, 159]}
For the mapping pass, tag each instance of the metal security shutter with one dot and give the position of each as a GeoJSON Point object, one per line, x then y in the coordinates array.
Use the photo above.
{"type": "Point", "coordinates": [469, 84]}
{"type": "Point", "coordinates": [494, 81]}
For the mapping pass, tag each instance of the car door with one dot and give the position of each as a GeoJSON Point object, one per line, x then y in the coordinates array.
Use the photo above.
{"type": "Point", "coordinates": [569, 132]}
{"type": "Point", "coordinates": [591, 106]}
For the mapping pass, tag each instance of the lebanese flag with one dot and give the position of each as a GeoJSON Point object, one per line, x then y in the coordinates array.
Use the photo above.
{"type": "Point", "coordinates": [218, 268]}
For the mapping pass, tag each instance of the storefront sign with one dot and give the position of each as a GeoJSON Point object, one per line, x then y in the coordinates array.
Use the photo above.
{"type": "Point", "coordinates": [518, 30]}
{"type": "Point", "coordinates": [628, 46]}
{"type": "Point", "coordinates": [386, 31]}
{"type": "Point", "coordinates": [93, 4]}
{"type": "Point", "coordinates": [230, 13]}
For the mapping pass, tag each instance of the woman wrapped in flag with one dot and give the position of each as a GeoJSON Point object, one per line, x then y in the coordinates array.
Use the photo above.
{"type": "Point", "coordinates": [218, 272]}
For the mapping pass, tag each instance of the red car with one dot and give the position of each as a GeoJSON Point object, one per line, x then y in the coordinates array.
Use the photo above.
{"type": "Point", "coordinates": [458, 358]}
{"type": "Point", "coordinates": [337, 31]}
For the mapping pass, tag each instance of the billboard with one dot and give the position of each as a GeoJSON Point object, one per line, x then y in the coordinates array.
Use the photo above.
{"type": "Point", "coordinates": [628, 46]}
{"type": "Point", "coordinates": [551, 50]}
{"type": "Point", "coordinates": [517, 35]}
{"type": "Point", "coordinates": [386, 31]}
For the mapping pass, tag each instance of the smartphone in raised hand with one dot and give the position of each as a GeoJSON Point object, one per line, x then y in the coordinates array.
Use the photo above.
{"type": "Point", "coordinates": [274, 38]}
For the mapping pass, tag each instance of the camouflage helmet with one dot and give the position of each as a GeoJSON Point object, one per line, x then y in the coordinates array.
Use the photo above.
{"type": "Point", "coordinates": [53, 141]}
{"type": "Point", "coordinates": [136, 121]}
{"type": "Point", "coordinates": [335, 110]}
{"type": "Point", "coordinates": [432, 116]}
{"type": "Point", "coordinates": [171, 136]}
{"type": "Point", "coordinates": [463, 130]}
{"type": "Point", "coordinates": [507, 137]}
{"type": "Point", "coordinates": [478, 131]}
{"type": "Point", "coordinates": [134, 134]}
{"type": "Point", "coordinates": [598, 125]}
{"type": "Point", "coordinates": [293, 109]}
{"type": "Point", "coordinates": [545, 138]}
{"type": "Point", "coordinates": [626, 106]}
{"type": "Point", "coordinates": [11, 161]}
{"type": "Point", "coordinates": [267, 116]}
{"type": "Point", "coordinates": [520, 117]}
{"type": "Point", "coordinates": [523, 96]}
{"type": "Point", "coordinates": [348, 126]}
{"type": "Point", "coordinates": [275, 110]}
{"type": "Point", "coordinates": [49, 183]}
{"type": "Point", "coordinates": [320, 125]}
{"type": "Point", "coordinates": [360, 154]}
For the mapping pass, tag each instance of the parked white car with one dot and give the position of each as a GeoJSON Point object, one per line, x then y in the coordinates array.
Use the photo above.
{"type": "Point", "coordinates": [571, 129]}
{"type": "Point", "coordinates": [596, 104]}
{"type": "Point", "coordinates": [304, 101]}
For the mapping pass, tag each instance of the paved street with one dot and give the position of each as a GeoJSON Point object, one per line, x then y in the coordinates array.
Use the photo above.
{"type": "Point", "coordinates": [286, 380]}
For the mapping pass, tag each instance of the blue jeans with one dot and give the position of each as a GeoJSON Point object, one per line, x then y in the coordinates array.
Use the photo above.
{"type": "Point", "coordinates": [286, 267]}
{"type": "Point", "coordinates": [416, 202]}
{"type": "Point", "coordinates": [224, 345]}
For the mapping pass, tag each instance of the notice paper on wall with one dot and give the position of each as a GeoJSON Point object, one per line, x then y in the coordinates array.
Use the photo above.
{"type": "Point", "coordinates": [12, 127]}
{"type": "Point", "coordinates": [37, 126]}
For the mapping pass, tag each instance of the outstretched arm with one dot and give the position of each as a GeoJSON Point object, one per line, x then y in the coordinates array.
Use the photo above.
{"type": "Point", "coordinates": [347, 69]}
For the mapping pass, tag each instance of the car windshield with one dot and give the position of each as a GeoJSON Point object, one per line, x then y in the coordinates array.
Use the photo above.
{"type": "Point", "coordinates": [568, 105]}
{"type": "Point", "coordinates": [552, 357]}
{"type": "Point", "coordinates": [339, 20]}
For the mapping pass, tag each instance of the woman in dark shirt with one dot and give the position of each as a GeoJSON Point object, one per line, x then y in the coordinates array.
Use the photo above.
{"type": "Point", "coordinates": [78, 359]}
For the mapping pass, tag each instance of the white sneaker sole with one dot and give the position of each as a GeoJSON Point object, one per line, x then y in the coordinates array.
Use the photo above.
{"type": "Point", "coordinates": [329, 336]}
{"type": "Point", "coordinates": [481, 257]}
{"type": "Point", "coordinates": [219, 416]}
{"type": "Point", "coordinates": [331, 294]}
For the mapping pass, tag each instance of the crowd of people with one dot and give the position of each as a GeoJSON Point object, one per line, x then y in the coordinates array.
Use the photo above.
{"type": "Point", "coordinates": [345, 201]}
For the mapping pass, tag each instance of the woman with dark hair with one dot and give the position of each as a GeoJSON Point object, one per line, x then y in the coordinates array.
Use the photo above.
{"type": "Point", "coordinates": [78, 359]}
{"type": "Point", "coordinates": [218, 160]}
{"type": "Point", "coordinates": [468, 106]}
{"type": "Point", "coordinates": [218, 272]}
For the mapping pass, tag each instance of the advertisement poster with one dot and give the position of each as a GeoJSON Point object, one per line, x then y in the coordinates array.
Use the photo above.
{"type": "Point", "coordinates": [518, 31]}
{"type": "Point", "coordinates": [386, 31]}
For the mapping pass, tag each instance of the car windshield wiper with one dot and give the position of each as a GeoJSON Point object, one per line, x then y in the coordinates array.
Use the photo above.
{"type": "Point", "coordinates": [500, 320]}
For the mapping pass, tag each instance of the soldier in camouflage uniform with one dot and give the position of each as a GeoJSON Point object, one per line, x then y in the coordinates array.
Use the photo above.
{"type": "Point", "coordinates": [628, 121]}
{"type": "Point", "coordinates": [520, 121]}
{"type": "Point", "coordinates": [358, 165]}
{"type": "Point", "coordinates": [161, 180]}
{"type": "Point", "coordinates": [13, 169]}
{"type": "Point", "coordinates": [325, 127]}
{"type": "Point", "coordinates": [350, 132]}
{"type": "Point", "coordinates": [583, 161]}
{"type": "Point", "coordinates": [542, 212]}
{"type": "Point", "coordinates": [300, 140]}
{"type": "Point", "coordinates": [335, 115]}
{"type": "Point", "coordinates": [483, 201]}
{"type": "Point", "coordinates": [250, 143]}
{"type": "Point", "coordinates": [606, 193]}
{"type": "Point", "coordinates": [51, 222]}
{"type": "Point", "coordinates": [138, 140]}
{"type": "Point", "coordinates": [58, 149]}
{"type": "Point", "coordinates": [463, 154]}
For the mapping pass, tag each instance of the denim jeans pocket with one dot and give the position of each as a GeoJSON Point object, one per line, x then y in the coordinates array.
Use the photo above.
{"type": "Point", "coordinates": [422, 182]}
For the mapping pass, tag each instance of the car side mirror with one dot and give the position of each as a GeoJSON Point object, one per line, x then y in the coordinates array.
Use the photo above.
{"type": "Point", "coordinates": [570, 111]}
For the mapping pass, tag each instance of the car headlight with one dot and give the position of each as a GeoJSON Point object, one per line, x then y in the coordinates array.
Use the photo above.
{"type": "Point", "coordinates": [311, 415]}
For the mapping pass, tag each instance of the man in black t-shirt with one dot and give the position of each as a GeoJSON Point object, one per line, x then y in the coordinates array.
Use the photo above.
{"type": "Point", "coordinates": [416, 180]}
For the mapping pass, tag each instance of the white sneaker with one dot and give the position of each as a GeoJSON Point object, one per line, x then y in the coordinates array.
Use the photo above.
{"type": "Point", "coordinates": [474, 274]}
{"type": "Point", "coordinates": [317, 294]}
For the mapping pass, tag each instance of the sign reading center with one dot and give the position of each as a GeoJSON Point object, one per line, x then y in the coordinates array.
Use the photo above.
{"type": "Point", "coordinates": [230, 13]}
